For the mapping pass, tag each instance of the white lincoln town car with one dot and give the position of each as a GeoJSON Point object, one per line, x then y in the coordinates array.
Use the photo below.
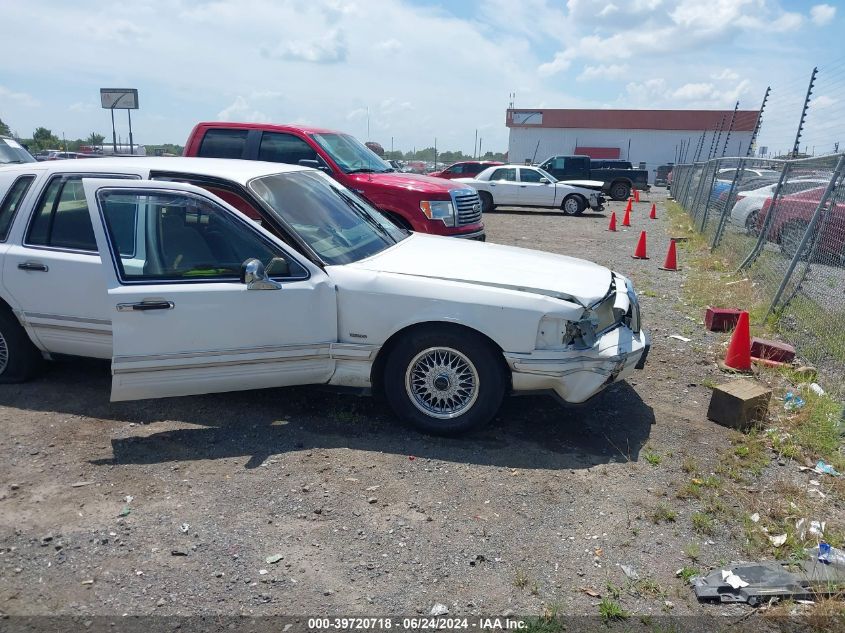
{"type": "Point", "coordinates": [203, 275]}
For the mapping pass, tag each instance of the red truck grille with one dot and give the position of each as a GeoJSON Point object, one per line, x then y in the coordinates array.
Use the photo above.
{"type": "Point", "coordinates": [467, 205]}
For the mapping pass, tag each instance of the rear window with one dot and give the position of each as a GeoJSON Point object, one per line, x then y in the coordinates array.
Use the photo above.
{"type": "Point", "coordinates": [11, 202]}
{"type": "Point", "coordinates": [223, 144]}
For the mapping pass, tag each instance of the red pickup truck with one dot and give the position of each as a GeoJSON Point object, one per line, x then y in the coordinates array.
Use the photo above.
{"type": "Point", "coordinates": [413, 201]}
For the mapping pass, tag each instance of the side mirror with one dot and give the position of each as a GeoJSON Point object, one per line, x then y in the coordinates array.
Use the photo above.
{"type": "Point", "coordinates": [255, 277]}
{"type": "Point", "coordinates": [314, 164]}
{"type": "Point", "coordinates": [544, 181]}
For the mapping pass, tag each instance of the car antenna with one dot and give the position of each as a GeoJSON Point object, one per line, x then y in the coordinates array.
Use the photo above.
{"type": "Point", "coordinates": [534, 159]}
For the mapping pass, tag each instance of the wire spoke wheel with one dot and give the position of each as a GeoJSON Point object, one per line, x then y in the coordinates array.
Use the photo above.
{"type": "Point", "coordinates": [442, 382]}
{"type": "Point", "coordinates": [4, 353]}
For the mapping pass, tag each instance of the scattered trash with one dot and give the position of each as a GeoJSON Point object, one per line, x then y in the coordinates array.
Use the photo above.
{"type": "Point", "coordinates": [829, 555]}
{"type": "Point", "coordinates": [88, 582]}
{"type": "Point", "coordinates": [755, 517]}
{"type": "Point", "coordinates": [792, 401]}
{"type": "Point", "coordinates": [439, 609]}
{"type": "Point", "coordinates": [272, 560]}
{"type": "Point", "coordinates": [176, 552]}
{"type": "Point", "coordinates": [590, 592]}
{"type": "Point", "coordinates": [680, 338]}
{"type": "Point", "coordinates": [372, 488]}
{"type": "Point", "coordinates": [778, 540]}
{"type": "Point", "coordinates": [816, 389]}
{"type": "Point", "coordinates": [125, 512]}
{"type": "Point", "coordinates": [79, 484]}
{"type": "Point", "coordinates": [630, 572]}
{"type": "Point", "coordinates": [478, 559]}
{"type": "Point", "coordinates": [816, 528]}
{"type": "Point", "coordinates": [826, 469]}
{"type": "Point", "coordinates": [184, 528]}
{"type": "Point", "coordinates": [128, 498]}
{"type": "Point", "coordinates": [372, 500]}
{"type": "Point", "coordinates": [733, 580]}
{"type": "Point", "coordinates": [411, 458]}
{"type": "Point", "coordinates": [263, 572]}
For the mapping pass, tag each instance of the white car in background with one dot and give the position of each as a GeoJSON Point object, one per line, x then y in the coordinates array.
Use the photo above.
{"type": "Point", "coordinates": [524, 186]}
{"type": "Point", "coordinates": [748, 204]}
{"type": "Point", "coordinates": [200, 275]}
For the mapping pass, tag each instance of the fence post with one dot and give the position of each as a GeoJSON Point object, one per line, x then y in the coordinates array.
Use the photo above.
{"type": "Point", "coordinates": [807, 233]}
{"type": "Point", "coordinates": [740, 172]}
{"type": "Point", "coordinates": [767, 223]}
{"type": "Point", "coordinates": [709, 196]}
{"type": "Point", "coordinates": [687, 186]}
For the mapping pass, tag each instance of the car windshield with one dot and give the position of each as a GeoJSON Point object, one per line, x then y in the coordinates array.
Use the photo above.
{"type": "Point", "coordinates": [350, 154]}
{"type": "Point", "coordinates": [337, 224]}
{"type": "Point", "coordinates": [13, 152]}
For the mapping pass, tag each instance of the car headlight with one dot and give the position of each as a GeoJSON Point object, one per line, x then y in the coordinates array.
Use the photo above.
{"type": "Point", "coordinates": [439, 210]}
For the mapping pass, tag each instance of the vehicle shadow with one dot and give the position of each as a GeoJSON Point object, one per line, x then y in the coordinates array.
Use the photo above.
{"type": "Point", "coordinates": [529, 431]}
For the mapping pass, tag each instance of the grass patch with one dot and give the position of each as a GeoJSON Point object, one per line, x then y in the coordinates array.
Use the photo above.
{"type": "Point", "coordinates": [693, 551]}
{"type": "Point", "coordinates": [653, 458]}
{"type": "Point", "coordinates": [520, 580]}
{"type": "Point", "coordinates": [703, 523]}
{"type": "Point", "coordinates": [662, 513]}
{"type": "Point", "coordinates": [687, 573]}
{"type": "Point", "coordinates": [611, 611]}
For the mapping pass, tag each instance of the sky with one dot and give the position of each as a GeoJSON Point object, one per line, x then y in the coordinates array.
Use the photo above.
{"type": "Point", "coordinates": [415, 71]}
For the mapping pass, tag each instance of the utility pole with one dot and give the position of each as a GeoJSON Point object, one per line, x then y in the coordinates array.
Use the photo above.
{"type": "Point", "coordinates": [756, 131]}
{"type": "Point", "coordinates": [795, 147]}
{"type": "Point", "coordinates": [479, 147]}
{"type": "Point", "coordinates": [475, 145]}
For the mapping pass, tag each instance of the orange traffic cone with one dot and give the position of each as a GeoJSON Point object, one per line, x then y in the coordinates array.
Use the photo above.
{"type": "Point", "coordinates": [626, 221]}
{"type": "Point", "coordinates": [628, 208]}
{"type": "Point", "coordinates": [671, 262]}
{"type": "Point", "coordinates": [739, 350]}
{"type": "Point", "coordinates": [636, 195]}
{"type": "Point", "coordinates": [612, 226]}
{"type": "Point", "coordinates": [639, 253]}
{"type": "Point", "coordinates": [653, 214]}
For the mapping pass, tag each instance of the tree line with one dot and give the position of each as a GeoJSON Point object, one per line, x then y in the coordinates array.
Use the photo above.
{"type": "Point", "coordinates": [428, 155]}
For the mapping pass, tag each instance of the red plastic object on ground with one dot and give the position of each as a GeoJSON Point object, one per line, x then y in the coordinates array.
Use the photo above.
{"type": "Point", "coordinates": [626, 221]}
{"type": "Point", "coordinates": [612, 226]}
{"type": "Point", "coordinates": [640, 251]}
{"type": "Point", "coordinates": [772, 350]}
{"type": "Point", "coordinates": [628, 207]}
{"type": "Point", "coordinates": [636, 195]}
{"type": "Point", "coordinates": [671, 262]}
{"type": "Point", "coordinates": [721, 319]}
{"type": "Point", "coordinates": [653, 214]}
{"type": "Point", "coordinates": [739, 350]}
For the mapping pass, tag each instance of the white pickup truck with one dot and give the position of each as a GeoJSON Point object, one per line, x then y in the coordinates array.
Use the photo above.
{"type": "Point", "coordinates": [202, 275]}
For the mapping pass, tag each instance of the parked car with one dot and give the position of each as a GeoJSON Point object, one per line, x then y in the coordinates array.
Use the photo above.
{"type": "Point", "coordinates": [464, 169]}
{"type": "Point", "coordinates": [661, 175]}
{"type": "Point", "coordinates": [522, 186]}
{"type": "Point", "coordinates": [411, 201]}
{"type": "Point", "coordinates": [748, 203]}
{"type": "Point", "coordinates": [153, 264]}
{"type": "Point", "coordinates": [618, 182]}
{"type": "Point", "coordinates": [793, 214]}
{"type": "Point", "coordinates": [13, 152]}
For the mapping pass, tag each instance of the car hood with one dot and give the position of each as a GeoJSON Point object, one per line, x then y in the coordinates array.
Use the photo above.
{"type": "Point", "coordinates": [411, 182]}
{"type": "Point", "coordinates": [586, 184]}
{"type": "Point", "coordinates": [494, 265]}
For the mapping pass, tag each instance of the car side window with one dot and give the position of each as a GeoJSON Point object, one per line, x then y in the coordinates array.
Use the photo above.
{"type": "Point", "coordinates": [508, 174]}
{"type": "Point", "coordinates": [474, 169]}
{"type": "Point", "coordinates": [456, 169]}
{"type": "Point", "coordinates": [11, 202]}
{"type": "Point", "coordinates": [186, 237]}
{"type": "Point", "coordinates": [284, 148]}
{"type": "Point", "coordinates": [61, 219]}
{"type": "Point", "coordinates": [529, 175]}
{"type": "Point", "coordinates": [558, 164]}
{"type": "Point", "coordinates": [223, 144]}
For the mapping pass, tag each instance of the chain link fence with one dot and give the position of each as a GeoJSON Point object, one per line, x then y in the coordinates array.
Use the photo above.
{"type": "Point", "coordinates": [781, 223]}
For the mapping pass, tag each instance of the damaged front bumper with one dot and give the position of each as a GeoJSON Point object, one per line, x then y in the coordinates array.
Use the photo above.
{"type": "Point", "coordinates": [578, 375]}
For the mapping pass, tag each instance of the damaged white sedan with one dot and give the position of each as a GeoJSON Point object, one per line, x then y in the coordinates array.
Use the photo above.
{"type": "Point", "coordinates": [160, 265]}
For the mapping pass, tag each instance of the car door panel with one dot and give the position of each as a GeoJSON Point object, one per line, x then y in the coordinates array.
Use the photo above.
{"type": "Point", "coordinates": [209, 335]}
{"type": "Point", "coordinates": [535, 194]}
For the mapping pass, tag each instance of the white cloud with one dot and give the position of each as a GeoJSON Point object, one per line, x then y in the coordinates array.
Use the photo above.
{"type": "Point", "coordinates": [328, 49]}
{"type": "Point", "coordinates": [605, 72]}
{"type": "Point", "coordinates": [120, 30]}
{"type": "Point", "coordinates": [823, 101]}
{"type": "Point", "coordinates": [693, 92]}
{"type": "Point", "coordinates": [390, 46]}
{"type": "Point", "coordinates": [20, 98]}
{"type": "Point", "coordinates": [822, 14]}
{"type": "Point", "coordinates": [240, 110]}
{"type": "Point", "coordinates": [726, 74]}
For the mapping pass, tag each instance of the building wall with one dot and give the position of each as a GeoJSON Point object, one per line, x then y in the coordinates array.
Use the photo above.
{"type": "Point", "coordinates": [654, 147]}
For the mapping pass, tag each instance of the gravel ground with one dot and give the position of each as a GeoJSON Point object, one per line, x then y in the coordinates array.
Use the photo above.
{"type": "Point", "coordinates": [174, 506]}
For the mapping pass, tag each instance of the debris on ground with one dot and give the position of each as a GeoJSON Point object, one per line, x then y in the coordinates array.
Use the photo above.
{"type": "Point", "coordinates": [590, 592]}
{"type": "Point", "coordinates": [816, 389]}
{"type": "Point", "coordinates": [739, 404]}
{"type": "Point", "coordinates": [184, 528]}
{"type": "Point", "coordinates": [439, 609]}
{"type": "Point", "coordinates": [125, 511]}
{"type": "Point", "coordinates": [826, 469]}
{"type": "Point", "coordinates": [80, 484]}
{"type": "Point", "coordinates": [630, 572]}
{"type": "Point", "coordinates": [678, 337]}
{"type": "Point", "coordinates": [272, 560]}
{"type": "Point", "coordinates": [777, 540]}
{"type": "Point", "coordinates": [792, 401]}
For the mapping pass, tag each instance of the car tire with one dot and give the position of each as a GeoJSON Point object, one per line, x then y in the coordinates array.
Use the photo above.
{"type": "Point", "coordinates": [486, 202]}
{"type": "Point", "coordinates": [430, 363]}
{"type": "Point", "coordinates": [20, 360]}
{"type": "Point", "coordinates": [790, 236]}
{"type": "Point", "coordinates": [620, 191]}
{"type": "Point", "coordinates": [573, 204]}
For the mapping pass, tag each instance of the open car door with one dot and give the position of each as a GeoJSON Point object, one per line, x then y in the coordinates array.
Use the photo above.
{"type": "Point", "coordinates": [189, 316]}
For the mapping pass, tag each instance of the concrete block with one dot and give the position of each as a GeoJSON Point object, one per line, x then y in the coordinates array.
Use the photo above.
{"type": "Point", "coordinates": [739, 404]}
{"type": "Point", "coordinates": [721, 319]}
{"type": "Point", "coordinates": [772, 350]}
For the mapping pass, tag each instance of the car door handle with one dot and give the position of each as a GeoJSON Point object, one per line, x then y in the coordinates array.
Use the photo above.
{"type": "Point", "coordinates": [143, 306]}
{"type": "Point", "coordinates": [33, 266]}
{"type": "Point", "coordinates": [522, 186]}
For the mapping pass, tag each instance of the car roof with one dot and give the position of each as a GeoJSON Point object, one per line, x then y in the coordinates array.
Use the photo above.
{"type": "Point", "coordinates": [240, 171]}
{"type": "Point", "coordinates": [269, 126]}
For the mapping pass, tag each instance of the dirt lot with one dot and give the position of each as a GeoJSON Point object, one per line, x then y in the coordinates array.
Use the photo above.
{"type": "Point", "coordinates": [367, 516]}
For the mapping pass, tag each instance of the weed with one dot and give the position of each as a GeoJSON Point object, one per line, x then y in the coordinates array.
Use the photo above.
{"type": "Point", "coordinates": [688, 573]}
{"type": "Point", "coordinates": [611, 611]}
{"type": "Point", "coordinates": [648, 587]}
{"type": "Point", "coordinates": [709, 384]}
{"type": "Point", "coordinates": [613, 590]}
{"type": "Point", "coordinates": [689, 466]}
{"type": "Point", "coordinates": [520, 580]}
{"type": "Point", "coordinates": [653, 458]}
{"type": "Point", "coordinates": [703, 523]}
{"type": "Point", "coordinates": [662, 513]}
{"type": "Point", "coordinates": [693, 551]}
